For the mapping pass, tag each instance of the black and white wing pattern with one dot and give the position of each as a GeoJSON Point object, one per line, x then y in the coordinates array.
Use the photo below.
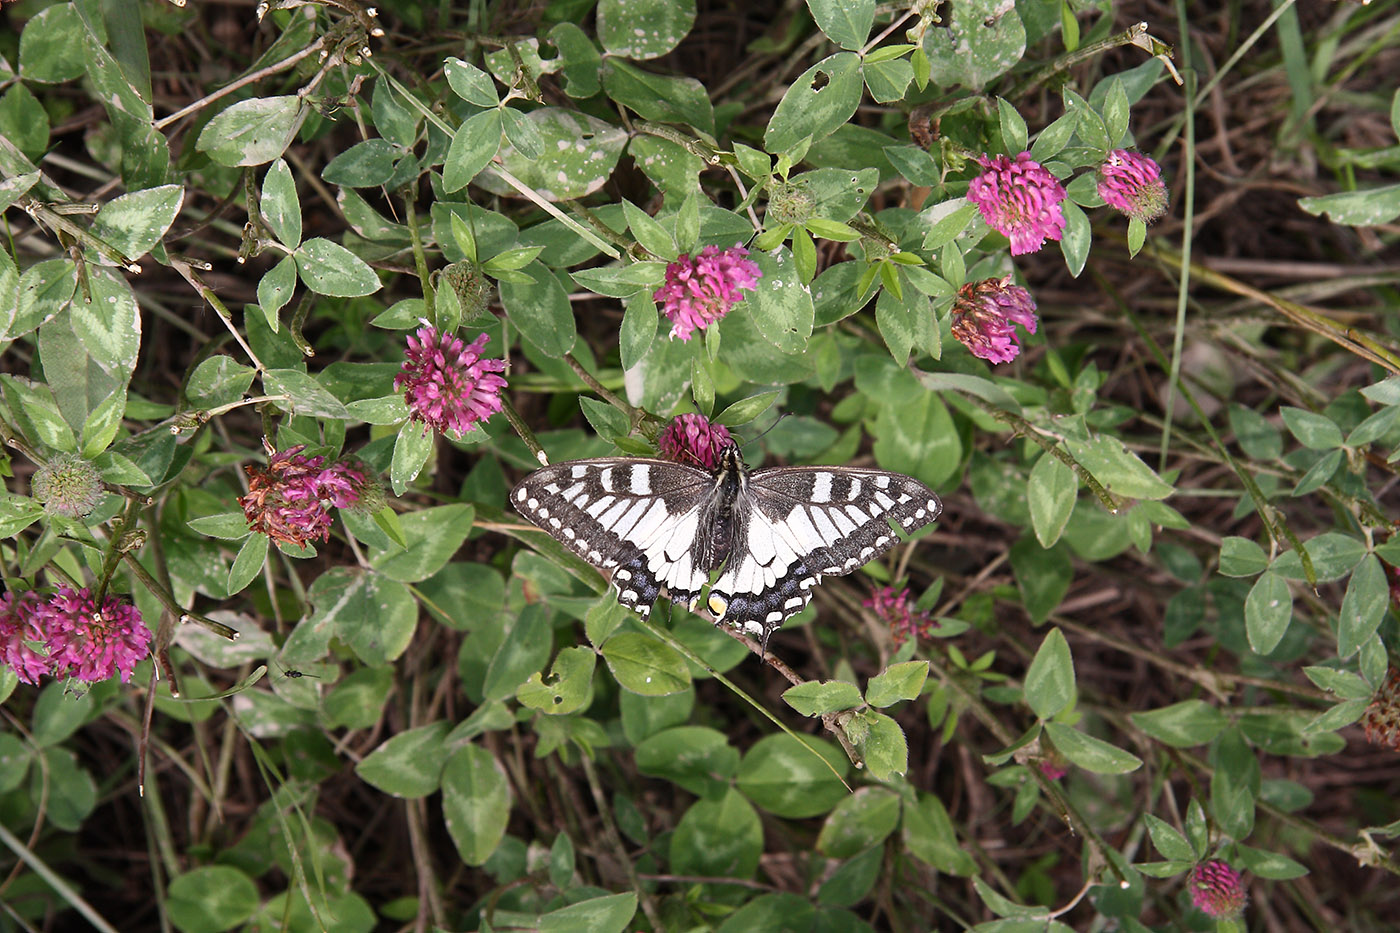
{"type": "Point", "coordinates": [659, 528]}
{"type": "Point", "coordinates": [803, 523]}
{"type": "Point", "coordinates": [636, 520]}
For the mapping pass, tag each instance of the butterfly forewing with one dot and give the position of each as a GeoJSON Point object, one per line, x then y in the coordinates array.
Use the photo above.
{"type": "Point", "coordinates": [636, 520]}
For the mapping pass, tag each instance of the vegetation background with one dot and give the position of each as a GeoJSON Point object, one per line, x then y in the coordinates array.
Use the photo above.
{"type": "Point", "coordinates": [1157, 621]}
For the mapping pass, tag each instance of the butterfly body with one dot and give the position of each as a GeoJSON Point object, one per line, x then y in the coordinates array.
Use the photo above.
{"type": "Point", "coordinates": [659, 528]}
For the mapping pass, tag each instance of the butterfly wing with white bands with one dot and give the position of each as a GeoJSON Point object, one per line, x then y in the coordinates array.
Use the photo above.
{"type": "Point", "coordinates": [798, 524]}
{"type": "Point", "coordinates": [635, 520]}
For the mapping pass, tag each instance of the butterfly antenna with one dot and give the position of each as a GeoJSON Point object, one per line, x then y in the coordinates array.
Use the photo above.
{"type": "Point", "coordinates": [756, 439]}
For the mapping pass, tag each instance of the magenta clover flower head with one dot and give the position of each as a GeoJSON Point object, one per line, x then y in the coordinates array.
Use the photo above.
{"type": "Point", "coordinates": [1019, 199]}
{"type": "Point", "coordinates": [446, 383]}
{"type": "Point", "coordinates": [340, 484]}
{"type": "Point", "coordinates": [895, 607]}
{"type": "Point", "coordinates": [1216, 888]}
{"type": "Point", "coordinates": [21, 615]}
{"type": "Point", "coordinates": [702, 289]}
{"type": "Point", "coordinates": [692, 439]}
{"type": "Point", "coordinates": [1131, 183]}
{"type": "Point", "coordinates": [985, 314]}
{"type": "Point", "coordinates": [90, 643]}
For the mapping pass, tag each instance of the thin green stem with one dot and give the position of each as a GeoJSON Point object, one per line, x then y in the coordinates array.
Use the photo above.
{"type": "Point", "coordinates": [603, 392]}
{"type": "Point", "coordinates": [420, 261]}
{"type": "Point", "coordinates": [523, 431]}
{"type": "Point", "coordinates": [1184, 283]}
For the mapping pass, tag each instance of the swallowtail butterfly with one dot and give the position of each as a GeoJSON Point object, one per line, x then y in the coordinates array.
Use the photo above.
{"type": "Point", "coordinates": [658, 528]}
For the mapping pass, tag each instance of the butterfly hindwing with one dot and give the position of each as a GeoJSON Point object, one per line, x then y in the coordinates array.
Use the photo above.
{"type": "Point", "coordinates": [635, 520]}
{"type": "Point", "coordinates": [803, 523]}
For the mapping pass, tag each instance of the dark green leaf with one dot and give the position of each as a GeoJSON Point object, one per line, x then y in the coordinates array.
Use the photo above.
{"type": "Point", "coordinates": [374, 615]}
{"type": "Point", "coordinates": [746, 409]}
{"type": "Point", "coordinates": [902, 681]}
{"type": "Point", "coordinates": [432, 536]}
{"type": "Point", "coordinates": [1167, 841]}
{"type": "Point", "coordinates": [476, 802]}
{"type": "Point", "coordinates": [1013, 127]}
{"type": "Point", "coordinates": [1257, 437]}
{"type": "Point", "coordinates": [57, 715]}
{"type": "Point", "coordinates": [470, 83]}
{"type": "Point", "coordinates": [608, 914]}
{"type": "Point", "coordinates": [1050, 496]}
{"type": "Point", "coordinates": [781, 305]}
{"type": "Point", "coordinates": [931, 838]}
{"type": "Point", "coordinates": [409, 765]}
{"type": "Point", "coordinates": [1090, 753]}
{"type": "Point", "coordinates": [366, 164]}
{"type": "Point", "coordinates": [667, 23]}
{"type": "Point", "coordinates": [569, 686]}
{"type": "Point", "coordinates": [305, 396]}
{"type": "Point", "coordinates": [1267, 612]}
{"type": "Point", "coordinates": [851, 883]}
{"type": "Point", "coordinates": [474, 145]}
{"type": "Point", "coordinates": [211, 899]}
{"type": "Point", "coordinates": [663, 98]}
{"type": "Point", "coordinates": [859, 821]}
{"type": "Point", "coordinates": [1363, 606]}
{"type": "Point", "coordinates": [639, 325]}
{"type": "Point", "coordinates": [1182, 725]}
{"type": "Point", "coordinates": [330, 269]}
{"type": "Point", "coordinates": [1270, 865]}
{"type": "Point", "coordinates": [1050, 684]}
{"type": "Point", "coordinates": [523, 652]}
{"type": "Point", "coordinates": [1242, 557]}
{"type": "Point", "coordinates": [1043, 576]}
{"type": "Point", "coordinates": [1368, 207]}
{"type": "Point", "coordinates": [1234, 784]}
{"type": "Point", "coordinates": [821, 99]}
{"type": "Point", "coordinates": [983, 39]}
{"type": "Point", "coordinates": [885, 748]}
{"type": "Point", "coordinates": [697, 758]}
{"type": "Point", "coordinates": [541, 310]}
{"type": "Point", "coordinates": [251, 132]}
{"type": "Point", "coordinates": [51, 46]}
{"type": "Point", "coordinates": [845, 22]}
{"type": "Point", "coordinates": [1120, 470]}
{"type": "Point", "coordinates": [815, 698]}
{"type": "Point", "coordinates": [644, 665]}
{"type": "Point", "coordinates": [718, 839]}
{"type": "Point", "coordinates": [1311, 429]}
{"type": "Point", "coordinates": [793, 777]}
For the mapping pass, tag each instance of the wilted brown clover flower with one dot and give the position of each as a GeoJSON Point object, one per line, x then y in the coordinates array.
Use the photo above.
{"type": "Point", "coordinates": [290, 500]}
{"type": "Point", "coordinates": [1382, 718]}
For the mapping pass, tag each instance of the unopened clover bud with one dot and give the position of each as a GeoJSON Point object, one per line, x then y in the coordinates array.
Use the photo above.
{"type": "Point", "coordinates": [68, 486]}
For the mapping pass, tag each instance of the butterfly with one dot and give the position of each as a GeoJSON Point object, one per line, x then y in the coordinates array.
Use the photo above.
{"type": "Point", "coordinates": [658, 528]}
